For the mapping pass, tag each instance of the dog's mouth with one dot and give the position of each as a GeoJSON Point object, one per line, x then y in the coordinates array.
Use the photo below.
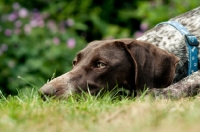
{"type": "Point", "coordinates": [59, 92]}
{"type": "Point", "coordinates": [50, 91]}
{"type": "Point", "coordinates": [63, 92]}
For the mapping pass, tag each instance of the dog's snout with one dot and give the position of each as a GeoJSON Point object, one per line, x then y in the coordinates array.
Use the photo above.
{"type": "Point", "coordinates": [47, 90]}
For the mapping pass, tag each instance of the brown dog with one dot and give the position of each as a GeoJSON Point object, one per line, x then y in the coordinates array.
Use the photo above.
{"type": "Point", "coordinates": [137, 64]}
{"type": "Point", "coordinates": [128, 63]}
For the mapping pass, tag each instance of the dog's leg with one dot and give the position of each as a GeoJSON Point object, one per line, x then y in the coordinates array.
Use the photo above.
{"type": "Point", "coordinates": [188, 86]}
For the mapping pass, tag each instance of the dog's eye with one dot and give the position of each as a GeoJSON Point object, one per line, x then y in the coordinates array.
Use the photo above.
{"type": "Point", "coordinates": [100, 65]}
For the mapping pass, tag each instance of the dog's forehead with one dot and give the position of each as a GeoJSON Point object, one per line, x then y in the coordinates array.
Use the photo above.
{"type": "Point", "coordinates": [99, 46]}
{"type": "Point", "coordinates": [91, 47]}
{"type": "Point", "coordinates": [106, 43]}
{"type": "Point", "coordinates": [105, 49]}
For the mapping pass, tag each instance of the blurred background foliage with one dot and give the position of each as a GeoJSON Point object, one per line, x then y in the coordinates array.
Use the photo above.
{"type": "Point", "coordinates": [41, 37]}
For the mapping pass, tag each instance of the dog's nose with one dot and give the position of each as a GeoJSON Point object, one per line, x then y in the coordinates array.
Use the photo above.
{"type": "Point", "coordinates": [47, 90]}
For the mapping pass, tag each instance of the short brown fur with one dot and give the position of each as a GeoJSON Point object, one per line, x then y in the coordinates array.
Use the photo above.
{"type": "Point", "coordinates": [128, 63]}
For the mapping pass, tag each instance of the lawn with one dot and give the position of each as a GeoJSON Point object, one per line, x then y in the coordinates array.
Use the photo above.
{"type": "Point", "coordinates": [29, 113]}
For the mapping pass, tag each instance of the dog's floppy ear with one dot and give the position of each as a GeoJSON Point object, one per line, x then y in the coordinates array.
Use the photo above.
{"type": "Point", "coordinates": [154, 67]}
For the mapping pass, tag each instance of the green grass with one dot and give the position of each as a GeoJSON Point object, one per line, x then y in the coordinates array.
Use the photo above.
{"type": "Point", "coordinates": [28, 113]}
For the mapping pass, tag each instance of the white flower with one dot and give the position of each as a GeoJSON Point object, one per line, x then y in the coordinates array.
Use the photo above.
{"type": "Point", "coordinates": [23, 12]}
{"type": "Point", "coordinates": [27, 29]}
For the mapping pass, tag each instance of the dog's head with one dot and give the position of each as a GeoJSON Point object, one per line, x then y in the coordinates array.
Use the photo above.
{"type": "Point", "coordinates": [128, 63]}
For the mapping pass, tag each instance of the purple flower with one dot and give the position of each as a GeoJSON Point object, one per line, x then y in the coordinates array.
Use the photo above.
{"type": "Point", "coordinates": [36, 23]}
{"type": "Point", "coordinates": [33, 23]}
{"type": "Point", "coordinates": [8, 32]}
{"type": "Point", "coordinates": [52, 25]}
{"type": "Point", "coordinates": [71, 43]}
{"type": "Point", "coordinates": [69, 22]}
{"type": "Point", "coordinates": [4, 47]}
{"type": "Point", "coordinates": [41, 23]}
{"type": "Point", "coordinates": [62, 27]}
{"type": "Point", "coordinates": [16, 6]}
{"type": "Point", "coordinates": [144, 26]}
{"type": "Point", "coordinates": [23, 12]}
{"type": "Point", "coordinates": [37, 16]}
{"type": "Point", "coordinates": [56, 41]}
{"type": "Point", "coordinates": [12, 17]}
{"type": "Point", "coordinates": [18, 23]}
{"type": "Point", "coordinates": [17, 31]}
{"type": "Point", "coordinates": [138, 34]}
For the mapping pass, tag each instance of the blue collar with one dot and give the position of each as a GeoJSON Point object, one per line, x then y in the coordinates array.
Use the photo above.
{"type": "Point", "coordinates": [192, 44]}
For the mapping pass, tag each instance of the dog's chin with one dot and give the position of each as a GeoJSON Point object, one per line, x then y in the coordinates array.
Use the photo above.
{"type": "Point", "coordinates": [64, 96]}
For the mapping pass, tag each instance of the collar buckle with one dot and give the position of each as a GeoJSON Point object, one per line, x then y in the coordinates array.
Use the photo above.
{"type": "Point", "coordinates": [191, 40]}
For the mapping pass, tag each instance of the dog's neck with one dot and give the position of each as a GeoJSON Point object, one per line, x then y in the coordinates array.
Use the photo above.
{"type": "Point", "coordinates": [168, 38]}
